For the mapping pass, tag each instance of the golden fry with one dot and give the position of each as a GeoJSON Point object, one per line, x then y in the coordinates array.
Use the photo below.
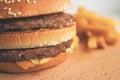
{"type": "Point", "coordinates": [92, 42]}
{"type": "Point", "coordinates": [98, 26]}
{"type": "Point", "coordinates": [101, 42]}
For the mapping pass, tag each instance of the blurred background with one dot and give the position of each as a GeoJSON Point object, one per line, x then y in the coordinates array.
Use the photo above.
{"type": "Point", "coordinates": [110, 8]}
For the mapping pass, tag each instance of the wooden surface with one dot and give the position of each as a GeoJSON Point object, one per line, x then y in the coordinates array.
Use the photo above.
{"type": "Point", "coordinates": [82, 65]}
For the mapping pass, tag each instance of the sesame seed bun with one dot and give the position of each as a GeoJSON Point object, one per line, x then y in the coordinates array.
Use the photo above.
{"type": "Point", "coordinates": [26, 8]}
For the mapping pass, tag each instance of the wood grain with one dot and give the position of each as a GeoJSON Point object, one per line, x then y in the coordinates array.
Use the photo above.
{"type": "Point", "coordinates": [82, 65]}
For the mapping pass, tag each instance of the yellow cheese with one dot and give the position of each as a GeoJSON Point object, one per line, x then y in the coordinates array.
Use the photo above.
{"type": "Point", "coordinates": [40, 61]}
{"type": "Point", "coordinates": [31, 63]}
{"type": "Point", "coordinates": [74, 45]}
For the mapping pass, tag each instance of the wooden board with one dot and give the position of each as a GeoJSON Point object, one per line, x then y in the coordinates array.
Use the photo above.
{"type": "Point", "coordinates": [82, 65]}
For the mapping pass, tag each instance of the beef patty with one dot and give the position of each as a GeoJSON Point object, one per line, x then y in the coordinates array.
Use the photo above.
{"type": "Point", "coordinates": [49, 21]}
{"type": "Point", "coordinates": [36, 53]}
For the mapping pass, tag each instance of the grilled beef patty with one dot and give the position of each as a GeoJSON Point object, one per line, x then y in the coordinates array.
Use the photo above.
{"type": "Point", "coordinates": [49, 21]}
{"type": "Point", "coordinates": [35, 53]}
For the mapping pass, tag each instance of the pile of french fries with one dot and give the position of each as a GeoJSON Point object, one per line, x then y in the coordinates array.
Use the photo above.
{"type": "Point", "coordinates": [98, 31]}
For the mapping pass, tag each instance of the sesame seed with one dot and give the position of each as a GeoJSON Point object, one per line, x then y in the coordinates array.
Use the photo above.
{"type": "Point", "coordinates": [9, 9]}
{"type": "Point", "coordinates": [34, 1]}
{"type": "Point", "coordinates": [14, 14]}
{"type": "Point", "coordinates": [5, 8]}
{"type": "Point", "coordinates": [28, 1]}
{"type": "Point", "coordinates": [19, 13]}
{"type": "Point", "coordinates": [9, 12]}
{"type": "Point", "coordinates": [1, 0]}
{"type": "Point", "coordinates": [18, 0]}
{"type": "Point", "coordinates": [12, 1]}
{"type": "Point", "coordinates": [1, 16]}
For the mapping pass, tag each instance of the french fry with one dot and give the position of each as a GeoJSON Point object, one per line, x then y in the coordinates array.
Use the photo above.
{"type": "Point", "coordinates": [92, 42]}
{"type": "Point", "coordinates": [101, 42]}
{"type": "Point", "coordinates": [99, 30]}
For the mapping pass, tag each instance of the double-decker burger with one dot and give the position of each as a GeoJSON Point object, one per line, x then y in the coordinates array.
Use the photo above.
{"type": "Point", "coordinates": [34, 34]}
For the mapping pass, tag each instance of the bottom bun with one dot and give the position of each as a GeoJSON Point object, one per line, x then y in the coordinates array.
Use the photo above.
{"type": "Point", "coordinates": [14, 68]}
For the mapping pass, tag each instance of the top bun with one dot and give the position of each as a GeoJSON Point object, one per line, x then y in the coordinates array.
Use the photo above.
{"type": "Point", "coordinates": [26, 8]}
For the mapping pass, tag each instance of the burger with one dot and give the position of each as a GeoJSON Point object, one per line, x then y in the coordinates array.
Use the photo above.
{"type": "Point", "coordinates": [34, 34]}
